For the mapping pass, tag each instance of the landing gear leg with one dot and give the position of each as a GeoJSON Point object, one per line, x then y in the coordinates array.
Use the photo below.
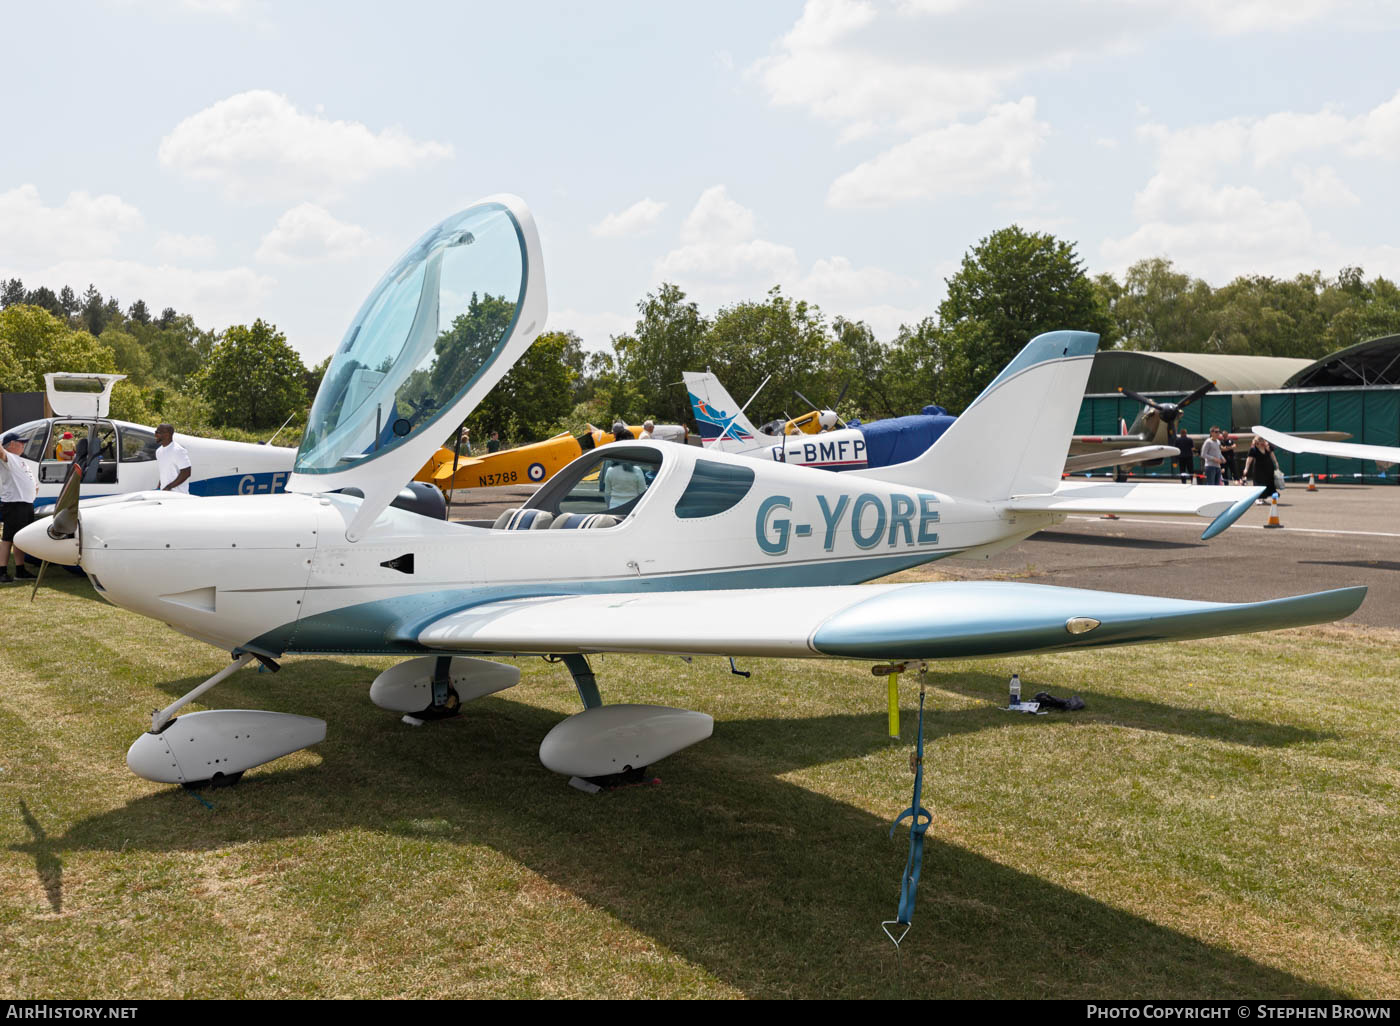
{"type": "Point", "coordinates": [584, 680]}
{"type": "Point", "coordinates": [587, 687]}
{"type": "Point", "coordinates": [446, 702]}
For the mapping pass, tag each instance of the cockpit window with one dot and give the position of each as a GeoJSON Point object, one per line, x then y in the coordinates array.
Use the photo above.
{"type": "Point", "coordinates": [138, 445]}
{"type": "Point", "coordinates": [608, 480]}
{"type": "Point", "coordinates": [713, 488]}
{"type": "Point", "coordinates": [430, 328]}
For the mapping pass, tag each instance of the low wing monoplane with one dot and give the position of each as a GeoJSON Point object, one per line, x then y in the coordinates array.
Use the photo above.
{"type": "Point", "coordinates": [634, 547]}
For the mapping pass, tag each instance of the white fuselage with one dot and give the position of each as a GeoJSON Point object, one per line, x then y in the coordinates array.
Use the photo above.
{"type": "Point", "coordinates": [276, 573]}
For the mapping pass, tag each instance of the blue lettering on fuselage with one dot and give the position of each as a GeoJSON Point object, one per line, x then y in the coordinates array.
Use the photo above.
{"type": "Point", "coordinates": [872, 519]}
{"type": "Point", "coordinates": [777, 544]}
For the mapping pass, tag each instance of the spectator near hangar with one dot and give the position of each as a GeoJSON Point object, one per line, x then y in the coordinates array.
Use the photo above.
{"type": "Point", "coordinates": [1354, 390]}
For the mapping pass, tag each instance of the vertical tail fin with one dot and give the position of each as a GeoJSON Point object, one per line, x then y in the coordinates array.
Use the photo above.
{"type": "Point", "coordinates": [722, 423]}
{"type": "Point", "coordinates": [1014, 437]}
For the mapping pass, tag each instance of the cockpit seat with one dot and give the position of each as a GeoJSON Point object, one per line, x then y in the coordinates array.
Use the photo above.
{"type": "Point", "coordinates": [582, 521]}
{"type": "Point", "coordinates": [524, 520]}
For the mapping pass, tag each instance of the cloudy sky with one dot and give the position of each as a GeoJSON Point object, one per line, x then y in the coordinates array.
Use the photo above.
{"type": "Point", "coordinates": [237, 159]}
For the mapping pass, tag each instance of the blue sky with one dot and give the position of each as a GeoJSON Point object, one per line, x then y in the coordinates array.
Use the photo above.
{"type": "Point", "coordinates": [238, 159]}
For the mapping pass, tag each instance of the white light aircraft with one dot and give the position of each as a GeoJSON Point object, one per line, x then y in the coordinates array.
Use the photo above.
{"type": "Point", "coordinates": [634, 547]}
{"type": "Point", "coordinates": [813, 440]}
{"type": "Point", "coordinates": [127, 463]}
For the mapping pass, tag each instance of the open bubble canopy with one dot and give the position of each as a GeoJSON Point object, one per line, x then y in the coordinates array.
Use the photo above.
{"type": "Point", "coordinates": [435, 324]}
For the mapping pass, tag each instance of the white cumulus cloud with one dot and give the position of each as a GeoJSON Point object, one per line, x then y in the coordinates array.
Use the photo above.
{"type": "Point", "coordinates": [175, 247]}
{"type": "Point", "coordinates": [84, 225]}
{"type": "Point", "coordinates": [256, 146]}
{"type": "Point", "coordinates": [310, 234]}
{"type": "Point", "coordinates": [636, 219]}
{"type": "Point", "coordinates": [957, 159]}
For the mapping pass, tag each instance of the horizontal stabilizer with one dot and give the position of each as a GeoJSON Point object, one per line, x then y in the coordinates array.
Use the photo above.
{"type": "Point", "coordinates": [930, 620]}
{"type": "Point", "coordinates": [1143, 499]}
{"type": "Point", "coordinates": [1119, 457]}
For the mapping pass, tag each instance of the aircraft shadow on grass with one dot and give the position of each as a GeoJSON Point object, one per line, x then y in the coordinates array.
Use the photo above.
{"type": "Point", "coordinates": [717, 865]}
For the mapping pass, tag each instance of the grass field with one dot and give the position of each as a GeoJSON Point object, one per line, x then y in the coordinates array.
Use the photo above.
{"type": "Point", "coordinates": [1220, 821]}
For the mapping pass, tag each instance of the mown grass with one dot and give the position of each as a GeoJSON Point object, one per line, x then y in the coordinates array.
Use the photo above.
{"type": "Point", "coordinates": [1221, 820]}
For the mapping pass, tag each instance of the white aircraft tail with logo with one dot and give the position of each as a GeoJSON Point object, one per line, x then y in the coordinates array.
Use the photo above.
{"type": "Point", "coordinates": [1041, 389]}
{"type": "Point", "coordinates": [721, 421]}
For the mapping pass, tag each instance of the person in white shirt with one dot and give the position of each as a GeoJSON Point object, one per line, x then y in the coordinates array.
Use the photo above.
{"type": "Point", "coordinates": [622, 482]}
{"type": "Point", "coordinates": [17, 490]}
{"type": "Point", "coordinates": [647, 429]}
{"type": "Point", "coordinates": [1213, 458]}
{"type": "Point", "coordinates": [173, 460]}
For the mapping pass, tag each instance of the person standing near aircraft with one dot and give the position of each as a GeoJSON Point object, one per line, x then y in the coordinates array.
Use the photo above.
{"type": "Point", "coordinates": [17, 491]}
{"type": "Point", "coordinates": [1229, 470]}
{"type": "Point", "coordinates": [174, 461]}
{"type": "Point", "coordinates": [493, 444]}
{"type": "Point", "coordinates": [1211, 457]}
{"type": "Point", "coordinates": [647, 428]}
{"type": "Point", "coordinates": [1185, 458]}
{"type": "Point", "coordinates": [1260, 465]}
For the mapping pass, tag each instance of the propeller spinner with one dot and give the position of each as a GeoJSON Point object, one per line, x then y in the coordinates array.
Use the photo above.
{"type": "Point", "coordinates": [1169, 412]}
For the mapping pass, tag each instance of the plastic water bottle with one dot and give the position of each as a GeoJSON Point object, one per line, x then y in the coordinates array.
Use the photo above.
{"type": "Point", "coordinates": [1015, 689]}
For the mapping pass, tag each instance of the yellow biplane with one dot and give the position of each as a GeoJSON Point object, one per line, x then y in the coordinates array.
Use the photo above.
{"type": "Point", "coordinates": [526, 464]}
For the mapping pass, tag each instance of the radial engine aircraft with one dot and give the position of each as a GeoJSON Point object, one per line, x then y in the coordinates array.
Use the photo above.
{"type": "Point", "coordinates": [634, 547]}
{"type": "Point", "coordinates": [813, 440]}
{"type": "Point", "coordinates": [127, 460]}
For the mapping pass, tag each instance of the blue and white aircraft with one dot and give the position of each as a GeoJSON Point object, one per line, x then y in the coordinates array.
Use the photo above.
{"type": "Point", "coordinates": [634, 547]}
{"type": "Point", "coordinates": [127, 465]}
{"type": "Point", "coordinates": [813, 440]}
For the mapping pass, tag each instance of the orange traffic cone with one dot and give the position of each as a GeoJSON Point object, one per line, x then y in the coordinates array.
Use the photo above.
{"type": "Point", "coordinates": [1312, 485]}
{"type": "Point", "coordinates": [1273, 512]}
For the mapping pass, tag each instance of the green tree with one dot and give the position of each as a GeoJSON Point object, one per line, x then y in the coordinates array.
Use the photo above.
{"type": "Point", "coordinates": [914, 368]}
{"type": "Point", "coordinates": [253, 378]}
{"type": "Point", "coordinates": [533, 400]}
{"type": "Point", "coordinates": [1012, 286]}
{"type": "Point", "coordinates": [12, 294]}
{"type": "Point", "coordinates": [39, 342]}
{"type": "Point", "coordinates": [783, 340]}
{"type": "Point", "coordinates": [669, 337]}
{"type": "Point", "coordinates": [44, 297]}
{"type": "Point", "coordinates": [132, 358]}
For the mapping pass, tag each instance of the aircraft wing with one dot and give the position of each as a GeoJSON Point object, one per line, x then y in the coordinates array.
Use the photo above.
{"type": "Point", "coordinates": [1386, 455]}
{"type": "Point", "coordinates": [1223, 503]}
{"type": "Point", "coordinates": [1119, 457]}
{"type": "Point", "coordinates": [931, 620]}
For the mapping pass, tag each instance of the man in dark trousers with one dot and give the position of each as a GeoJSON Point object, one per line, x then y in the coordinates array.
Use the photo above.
{"type": "Point", "coordinates": [17, 489]}
{"type": "Point", "coordinates": [1185, 451]}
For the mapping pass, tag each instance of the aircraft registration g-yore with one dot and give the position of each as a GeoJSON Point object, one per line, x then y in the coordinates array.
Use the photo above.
{"type": "Point", "coordinates": [812, 440]}
{"type": "Point", "coordinates": [128, 451]}
{"type": "Point", "coordinates": [634, 547]}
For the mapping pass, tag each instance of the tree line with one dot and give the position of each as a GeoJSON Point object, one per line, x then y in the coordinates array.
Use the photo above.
{"type": "Point", "coordinates": [1010, 287]}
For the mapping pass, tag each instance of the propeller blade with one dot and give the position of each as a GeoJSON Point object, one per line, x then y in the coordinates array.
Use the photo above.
{"type": "Point", "coordinates": [65, 510]}
{"type": "Point", "coordinates": [1195, 395]}
{"type": "Point", "coordinates": [1143, 399]}
{"type": "Point", "coordinates": [807, 401]}
{"type": "Point", "coordinates": [39, 577]}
